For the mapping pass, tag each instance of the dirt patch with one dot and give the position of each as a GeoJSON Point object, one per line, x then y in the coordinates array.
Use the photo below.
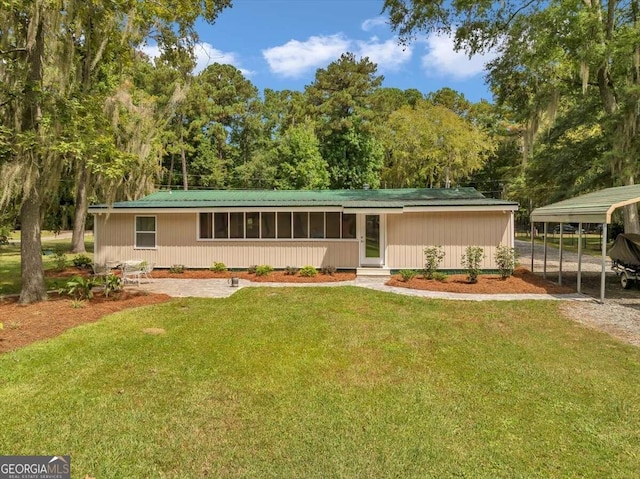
{"type": "Point", "coordinates": [25, 324]}
{"type": "Point", "coordinates": [273, 277]}
{"type": "Point", "coordinates": [522, 281]}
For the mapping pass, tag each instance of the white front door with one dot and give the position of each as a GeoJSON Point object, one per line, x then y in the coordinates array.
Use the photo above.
{"type": "Point", "coordinates": [371, 230]}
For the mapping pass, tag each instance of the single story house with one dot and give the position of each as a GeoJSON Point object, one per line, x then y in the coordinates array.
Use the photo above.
{"type": "Point", "coordinates": [366, 229]}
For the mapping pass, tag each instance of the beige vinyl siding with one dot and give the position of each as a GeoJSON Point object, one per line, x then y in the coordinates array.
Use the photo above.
{"type": "Point", "coordinates": [176, 243]}
{"type": "Point", "coordinates": [409, 233]}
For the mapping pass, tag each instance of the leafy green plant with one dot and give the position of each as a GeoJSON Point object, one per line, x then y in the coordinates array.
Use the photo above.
{"type": "Point", "coordinates": [308, 271]}
{"type": "Point", "coordinates": [218, 267]}
{"type": "Point", "coordinates": [505, 258]}
{"type": "Point", "coordinates": [433, 256]}
{"type": "Point", "coordinates": [79, 288]}
{"type": "Point", "coordinates": [407, 274]}
{"type": "Point", "coordinates": [330, 270]}
{"type": "Point", "coordinates": [112, 284]}
{"type": "Point", "coordinates": [78, 303]}
{"type": "Point", "coordinates": [440, 276]}
{"type": "Point", "coordinates": [82, 261]}
{"type": "Point", "coordinates": [59, 258]}
{"type": "Point", "coordinates": [176, 268]}
{"type": "Point", "coordinates": [471, 260]}
{"type": "Point", "coordinates": [252, 269]}
{"type": "Point", "coordinates": [290, 270]}
{"type": "Point", "coordinates": [263, 270]}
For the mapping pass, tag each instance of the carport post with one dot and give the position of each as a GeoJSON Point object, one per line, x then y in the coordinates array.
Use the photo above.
{"type": "Point", "coordinates": [544, 264]}
{"type": "Point", "coordinates": [532, 246]}
{"type": "Point", "coordinates": [560, 256]}
{"type": "Point", "coordinates": [604, 261]}
{"type": "Point", "coordinates": [579, 287]}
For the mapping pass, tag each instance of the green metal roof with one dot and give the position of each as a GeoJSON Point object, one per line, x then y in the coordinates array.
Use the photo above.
{"type": "Point", "coordinates": [356, 199]}
{"type": "Point", "coordinates": [595, 207]}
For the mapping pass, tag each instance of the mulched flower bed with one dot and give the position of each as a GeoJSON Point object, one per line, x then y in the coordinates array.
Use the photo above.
{"type": "Point", "coordinates": [522, 281]}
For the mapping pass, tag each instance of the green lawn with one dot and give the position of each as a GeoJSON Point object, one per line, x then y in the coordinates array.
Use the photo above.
{"type": "Point", "coordinates": [328, 382]}
{"type": "Point", "coordinates": [10, 280]}
{"type": "Point", "coordinates": [591, 243]}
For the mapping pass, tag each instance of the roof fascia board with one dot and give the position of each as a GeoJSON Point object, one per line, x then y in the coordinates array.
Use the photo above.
{"type": "Point", "coordinates": [443, 209]}
{"type": "Point", "coordinates": [212, 209]}
{"type": "Point", "coordinates": [569, 218]}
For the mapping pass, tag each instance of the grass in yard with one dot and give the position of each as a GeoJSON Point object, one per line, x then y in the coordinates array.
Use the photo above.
{"type": "Point", "coordinates": [591, 243]}
{"type": "Point", "coordinates": [10, 280]}
{"type": "Point", "coordinates": [328, 382]}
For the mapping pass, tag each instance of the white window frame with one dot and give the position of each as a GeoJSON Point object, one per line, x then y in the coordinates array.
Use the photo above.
{"type": "Point", "coordinates": [155, 232]}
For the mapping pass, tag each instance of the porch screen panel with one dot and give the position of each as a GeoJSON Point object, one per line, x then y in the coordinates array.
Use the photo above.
{"type": "Point", "coordinates": [316, 225]}
{"type": "Point", "coordinates": [300, 224]}
{"type": "Point", "coordinates": [284, 225]}
{"type": "Point", "coordinates": [206, 225]}
{"type": "Point", "coordinates": [333, 225]}
{"type": "Point", "coordinates": [348, 226]}
{"type": "Point", "coordinates": [221, 225]}
{"type": "Point", "coordinates": [236, 225]}
{"type": "Point", "coordinates": [268, 222]}
{"type": "Point", "coordinates": [252, 224]}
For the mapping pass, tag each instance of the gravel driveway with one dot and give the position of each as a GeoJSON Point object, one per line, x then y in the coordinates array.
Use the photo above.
{"type": "Point", "coordinates": [619, 316]}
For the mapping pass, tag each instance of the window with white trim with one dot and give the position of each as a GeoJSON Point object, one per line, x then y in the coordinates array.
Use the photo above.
{"type": "Point", "coordinates": [145, 228]}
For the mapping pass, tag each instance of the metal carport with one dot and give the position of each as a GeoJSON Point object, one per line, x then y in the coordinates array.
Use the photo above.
{"type": "Point", "coordinates": [596, 207]}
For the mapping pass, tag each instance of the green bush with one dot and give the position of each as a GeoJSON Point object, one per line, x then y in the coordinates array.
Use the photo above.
{"type": "Point", "coordinates": [330, 270]}
{"type": "Point", "coordinates": [176, 268]}
{"type": "Point", "coordinates": [78, 288]}
{"type": "Point", "coordinates": [59, 258]}
{"type": "Point", "coordinates": [263, 270]}
{"type": "Point", "coordinates": [433, 256]}
{"type": "Point", "coordinates": [218, 267]}
{"type": "Point", "coordinates": [407, 274]}
{"type": "Point", "coordinates": [82, 261]}
{"type": "Point", "coordinates": [505, 260]}
{"type": "Point", "coordinates": [471, 260]}
{"type": "Point", "coordinates": [308, 271]}
{"type": "Point", "coordinates": [440, 276]}
{"type": "Point", "coordinates": [112, 284]}
{"type": "Point", "coordinates": [290, 270]}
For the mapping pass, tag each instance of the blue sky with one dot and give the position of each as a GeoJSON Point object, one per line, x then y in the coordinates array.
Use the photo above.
{"type": "Point", "coordinates": [279, 44]}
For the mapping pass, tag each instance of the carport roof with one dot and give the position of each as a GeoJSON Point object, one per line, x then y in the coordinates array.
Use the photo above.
{"type": "Point", "coordinates": [595, 207]}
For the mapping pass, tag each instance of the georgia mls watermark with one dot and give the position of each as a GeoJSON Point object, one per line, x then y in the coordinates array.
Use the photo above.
{"type": "Point", "coordinates": [35, 467]}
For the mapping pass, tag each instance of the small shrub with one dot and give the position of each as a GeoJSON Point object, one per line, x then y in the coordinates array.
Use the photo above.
{"type": "Point", "coordinates": [263, 270]}
{"type": "Point", "coordinates": [330, 270]}
{"type": "Point", "coordinates": [59, 258]}
{"type": "Point", "coordinates": [433, 256]}
{"type": "Point", "coordinates": [440, 276]}
{"type": "Point", "coordinates": [76, 304]}
{"type": "Point", "coordinates": [82, 261]}
{"type": "Point", "coordinates": [112, 284]}
{"type": "Point", "coordinates": [252, 269]}
{"type": "Point", "coordinates": [407, 274]}
{"type": "Point", "coordinates": [79, 288]}
{"type": "Point", "coordinates": [290, 270]}
{"type": "Point", "coordinates": [176, 268]}
{"type": "Point", "coordinates": [308, 271]}
{"type": "Point", "coordinates": [505, 260]}
{"type": "Point", "coordinates": [218, 267]}
{"type": "Point", "coordinates": [471, 260]}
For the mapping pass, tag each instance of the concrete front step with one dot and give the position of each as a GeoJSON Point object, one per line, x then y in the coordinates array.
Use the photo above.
{"type": "Point", "coordinates": [373, 272]}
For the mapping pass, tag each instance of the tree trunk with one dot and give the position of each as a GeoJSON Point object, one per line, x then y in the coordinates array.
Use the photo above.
{"type": "Point", "coordinates": [33, 286]}
{"type": "Point", "coordinates": [185, 182]}
{"type": "Point", "coordinates": [81, 204]}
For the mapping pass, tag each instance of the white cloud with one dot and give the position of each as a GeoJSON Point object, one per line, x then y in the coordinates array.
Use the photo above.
{"type": "Point", "coordinates": [371, 23]}
{"type": "Point", "coordinates": [295, 58]}
{"type": "Point", "coordinates": [443, 60]}
{"type": "Point", "coordinates": [206, 55]}
{"type": "Point", "coordinates": [389, 55]}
